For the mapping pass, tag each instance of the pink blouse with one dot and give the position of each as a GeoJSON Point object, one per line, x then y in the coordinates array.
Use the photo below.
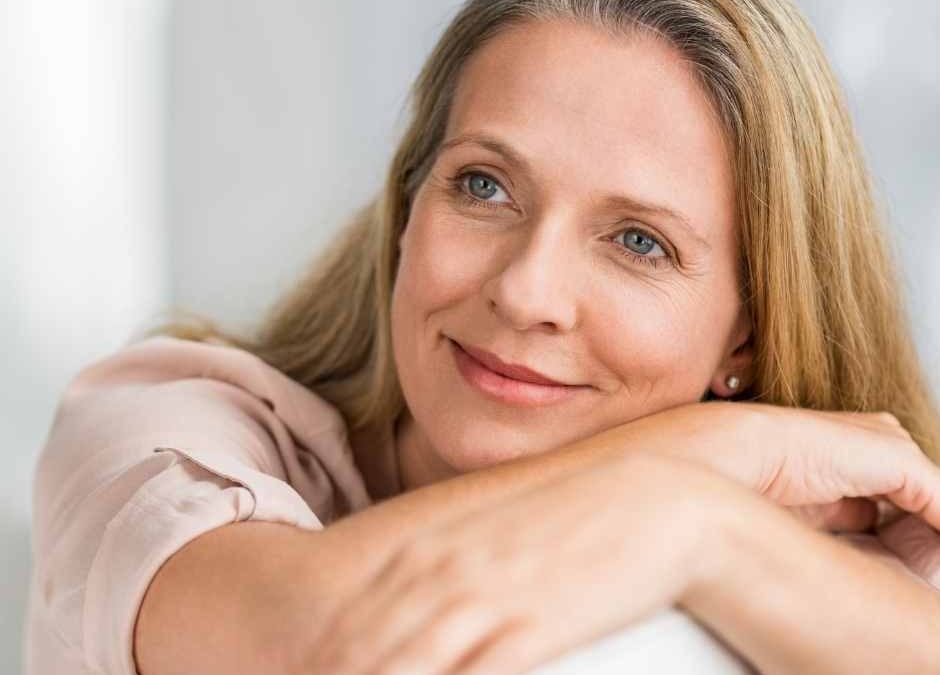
{"type": "Point", "coordinates": [150, 448]}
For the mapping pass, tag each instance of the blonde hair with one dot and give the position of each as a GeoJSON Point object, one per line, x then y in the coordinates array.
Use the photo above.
{"type": "Point", "coordinates": [829, 327]}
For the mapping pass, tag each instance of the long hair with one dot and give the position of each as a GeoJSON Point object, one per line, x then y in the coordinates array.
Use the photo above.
{"type": "Point", "coordinates": [830, 326]}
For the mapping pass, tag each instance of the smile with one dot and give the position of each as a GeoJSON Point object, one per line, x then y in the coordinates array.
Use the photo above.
{"type": "Point", "coordinates": [506, 389]}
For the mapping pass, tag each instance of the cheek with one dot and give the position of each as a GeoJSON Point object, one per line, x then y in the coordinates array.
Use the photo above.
{"type": "Point", "coordinates": [655, 335]}
{"type": "Point", "coordinates": [641, 336]}
{"type": "Point", "coordinates": [436, 272]}
{"type": "Point", "coordinates": [439, 262]}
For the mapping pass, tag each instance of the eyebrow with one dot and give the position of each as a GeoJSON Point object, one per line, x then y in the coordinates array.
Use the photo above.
{"type": "Point", "coordinates": [513, 156]}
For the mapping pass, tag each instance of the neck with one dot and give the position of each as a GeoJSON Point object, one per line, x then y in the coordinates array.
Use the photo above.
{"type": "Point", "coordinates": [418, 463]}
{"type": "Point", "coordinates": [374, 456]}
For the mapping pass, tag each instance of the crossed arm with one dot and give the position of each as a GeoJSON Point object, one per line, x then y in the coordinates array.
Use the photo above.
{"type": "Point", "coordinates": [796, 600]}
{"type": "Point", "coordinates": [785, 596]}
{"type": "Point", "coordinates": [788, 598]}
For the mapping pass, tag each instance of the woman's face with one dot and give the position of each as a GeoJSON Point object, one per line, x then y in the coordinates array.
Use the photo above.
{"type": "Point", "coordinates": [576, 146]}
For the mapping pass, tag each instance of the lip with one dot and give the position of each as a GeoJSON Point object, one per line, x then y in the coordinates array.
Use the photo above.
{"type": "Point", "coordinates": [506, 389]}
{"type": "Point", "coordinates": [516, 372]}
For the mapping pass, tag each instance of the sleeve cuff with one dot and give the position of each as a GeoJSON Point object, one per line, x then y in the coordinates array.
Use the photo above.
{"type": "Point", "coordinates": [199, 491]}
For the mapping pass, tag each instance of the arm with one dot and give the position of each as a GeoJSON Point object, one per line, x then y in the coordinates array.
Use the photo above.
{"type": "Point", "coordinates": [250, 582]}
{"type": "Point", "coordinates": [325, 568]}
{"type": "Point", "coordinates": [792, 599]}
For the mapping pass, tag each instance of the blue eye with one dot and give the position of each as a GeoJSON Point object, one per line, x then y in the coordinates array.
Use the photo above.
{"type": "Point", "coordinates": [481, 187]}
{"type": "Point", "coordinates": [638, 244]}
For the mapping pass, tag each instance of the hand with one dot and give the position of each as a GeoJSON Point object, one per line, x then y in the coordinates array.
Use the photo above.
{"type": "Point", "coordinates": [828, 467]}
{"type": "Point", "coordinates": [831, 469]}
{"type": "Point", "coordinates": [907, 543]}
{"type": "Point", "coordinates": [529, 578]}
{"type": "Point", "coordinates": [916, 544]}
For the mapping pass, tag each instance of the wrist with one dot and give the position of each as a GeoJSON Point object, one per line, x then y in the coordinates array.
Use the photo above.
{"type": "Point", "coordinates": [710, 520]}
{"type": "Point", "coordinates": [709, 434]}
{"type": "Point", "coordinates": [728, 522]}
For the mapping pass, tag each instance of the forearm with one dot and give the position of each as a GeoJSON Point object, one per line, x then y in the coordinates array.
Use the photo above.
{"type": "Point", "coordinates": [381, 528]}
{"type": "Point", "coordinates": [233, 594]}
{"type": "Point", "coordinates": [370, 536]}
{"type": "Point", "coordinates": [219, 603]}
{"type": "Point", "coordinates": [795, 600]}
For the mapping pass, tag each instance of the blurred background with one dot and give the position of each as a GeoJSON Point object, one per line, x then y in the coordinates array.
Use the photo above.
{"type": "Point", "coordinates": [195, 154]}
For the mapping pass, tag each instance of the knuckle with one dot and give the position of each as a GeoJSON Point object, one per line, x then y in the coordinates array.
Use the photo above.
{"type": "Point", "coordinates": [454, 630]}
{"type": "Point", "coordinates": [459, 567]}
{"type": "Point", "coordinates": [457, 626]}
{"type": "Point", "coordinates": [918, 496]}
{"type": "Point", "coordinates": [436, 556]}
{"type": "Point", "coordinates": [451, 566]}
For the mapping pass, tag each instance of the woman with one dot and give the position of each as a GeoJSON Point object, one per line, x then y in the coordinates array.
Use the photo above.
{"type": "Point", "coordinates": [603, 217]}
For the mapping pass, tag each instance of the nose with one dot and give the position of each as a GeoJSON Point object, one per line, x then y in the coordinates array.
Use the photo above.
{"type": "Point", "coordinates": [536, 285]}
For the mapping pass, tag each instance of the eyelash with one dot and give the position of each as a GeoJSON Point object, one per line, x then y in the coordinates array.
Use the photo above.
{"type": "Point", "coordinates": [457, 189]}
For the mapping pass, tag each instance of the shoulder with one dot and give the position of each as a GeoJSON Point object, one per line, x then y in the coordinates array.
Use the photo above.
{"type": "Point", "coordinates": [156, 444]}
{"type": "Point", "coordinates": [220, 406]}
{"type": "Point", "coordinates": [161, 365]}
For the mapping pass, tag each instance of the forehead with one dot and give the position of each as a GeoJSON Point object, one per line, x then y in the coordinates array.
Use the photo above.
{"type": "Point", "coordinates": [601, 114]}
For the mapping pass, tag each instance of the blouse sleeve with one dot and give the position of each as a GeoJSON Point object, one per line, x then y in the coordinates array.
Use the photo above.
{"type": "Point", "coordinates": [150, 449]}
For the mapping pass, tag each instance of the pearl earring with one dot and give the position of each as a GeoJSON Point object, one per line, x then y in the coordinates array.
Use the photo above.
{"type": "Point", "coordinates": [732, 382]}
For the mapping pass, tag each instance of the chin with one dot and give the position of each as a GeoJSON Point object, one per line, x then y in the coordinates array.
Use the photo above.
{"type": "Point", "coordinates": [481, 447]}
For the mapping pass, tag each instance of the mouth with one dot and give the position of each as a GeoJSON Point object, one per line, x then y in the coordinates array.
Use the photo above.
{"type": "Point", "coordinates": [510, 390]}
{"type": "Point", "coordinates": [510, 370]}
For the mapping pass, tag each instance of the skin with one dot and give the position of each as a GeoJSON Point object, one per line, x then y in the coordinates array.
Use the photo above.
{"type": "Point", "coordinates": [507, 586]}
{"type": "Point", "coordinates": [540, 279]}
{"type": "Point", "coordinates": [537, 281]}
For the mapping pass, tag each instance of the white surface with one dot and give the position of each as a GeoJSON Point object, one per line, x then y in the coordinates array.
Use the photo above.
{"type": "Point", "coordinates": [668, 643]}
{"type": "Point", "coordinates": [82, 237]}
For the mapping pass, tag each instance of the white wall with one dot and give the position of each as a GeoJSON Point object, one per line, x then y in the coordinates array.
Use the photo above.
{"type": "Point", "coordinates": [887, 55]}
{"type": "Point", "coordinates": [82, 239]}
{"type": "Point", "coordinates": [283, 120]}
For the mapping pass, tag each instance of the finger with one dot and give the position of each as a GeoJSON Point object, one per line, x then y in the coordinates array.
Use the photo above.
{"type": "Point", "coordinates": [807, 514]}
{"type": "Point", "coordinates": [366, 616]}
{"type": "Point", "coordinates": [373, 595]}
{"type": "Point", "coordinates": [919, 492]}
{"type": "Point", "coordinates": [851, 514]}
{"type": "Point", "coordinates": [888, 513]}
{"type": "Point", "coordinates": [512, 649]}
{"type": "Point", "coordinates": [438, 645]}
{"type": "Point", "coordinates": [917, 544]}
{"type": "Point", "coordinates": [405, 619]}
{"type": "Point", "coordinates": [914, 477]}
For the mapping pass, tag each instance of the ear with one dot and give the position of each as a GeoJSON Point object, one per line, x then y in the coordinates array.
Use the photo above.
{"type": "Point", "coordinates": [738, 360]}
